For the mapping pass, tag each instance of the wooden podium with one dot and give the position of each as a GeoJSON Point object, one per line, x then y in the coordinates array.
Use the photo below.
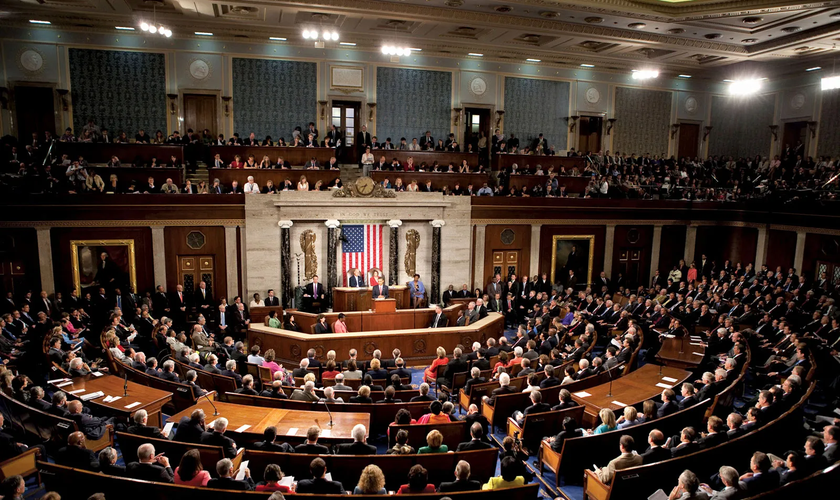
{"type": "Point", "coordinates": [384, 305]}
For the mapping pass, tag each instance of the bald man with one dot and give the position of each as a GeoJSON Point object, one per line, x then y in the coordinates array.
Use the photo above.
{"type": "Point", "coordinates": [76, 455]}
{"type": "Point", "coordinates": [93, 427]}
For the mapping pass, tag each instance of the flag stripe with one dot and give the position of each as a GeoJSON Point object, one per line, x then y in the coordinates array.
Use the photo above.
{"type": "Point", "coordinates": [362, 248]}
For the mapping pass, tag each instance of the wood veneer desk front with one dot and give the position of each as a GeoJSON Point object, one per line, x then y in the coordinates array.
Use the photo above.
{"type": "Point", "coordinates": [347, 298]}
{"type": "Point", "coordinates": [291, 424]}
{"type": "Point", "coordinates": [150, 399]}
{"type": "Point", "coordinates": [690, 357]}
{"type": "Point", "coordinates": [416, 345]}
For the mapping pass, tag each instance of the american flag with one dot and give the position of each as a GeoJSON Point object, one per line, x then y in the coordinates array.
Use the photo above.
{"type": "Point", "coordinates": [362, 248]}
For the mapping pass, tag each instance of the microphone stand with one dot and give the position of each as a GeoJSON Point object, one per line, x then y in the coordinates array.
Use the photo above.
{"type": "Point", "coordinates": [330, 414]}
{"type": "Point", "coordinates": [125, 383]}
{"type": "Point", "coordinates": [609, 391]}
{"type": "Point", "coordinates": [215, 410]}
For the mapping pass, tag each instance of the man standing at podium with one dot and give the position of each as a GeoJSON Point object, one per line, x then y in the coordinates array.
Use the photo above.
{"type": "Point", "coordinates": [380, 290]}
{"type": "Point", "coordinates": [356, 280]}
{"type": "Point", "coordinates": [314, 293]}
{"type": "Point", "coordinates": [418, 292]}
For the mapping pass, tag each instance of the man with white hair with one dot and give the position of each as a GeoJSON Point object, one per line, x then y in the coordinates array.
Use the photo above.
{"type": "Point", "coordinates": [150, 467]}
{"type": "Point", "coordinates": [462, 480]}
{"type": "Point", "coordinates": [230, 371]}
{"type": "Point", "coordinates": [305, 394]}
{"type": "Point", "coordinates": [424, 394]}
{"type": "Point", "coordinates": [251, 187]}
{"type": "Point", "coordinates": [504, 388]}
{"type": "Point", "coordinates": [481, 308]}
{"type": "Point", "coordinates": [169, 372]}
{"type": "Point", "coordinates": [302, 370]}
{"type": "Point", "coordinates": [247, 386]}
{"type": "Point", "coordinates": [216, 437]}
{"type": "Point", "coordinates": [139, 362]}
{"type": "Point", "coordinates": [339, 383]}
{"type": "Point", "coordinates": [195, 361]}
{"type": "Point", "coordinates": [224, 468]}
{"type": "Point", "coordinates": [141, 427]}
{"type": "Point", "coordinates": [329, 396]}
{"type": "Point", "coordinates": [358, 446]}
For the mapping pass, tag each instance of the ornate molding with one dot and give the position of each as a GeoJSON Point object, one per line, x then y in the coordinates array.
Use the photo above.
{"type": "Point", "coordinates": [394, 223]}
{"type": "Point", "coordinates": [285, 224]}
{"type": "Point", "coordinates": [332, 223]}
{"type": "Point", "coordinates": [437, 223]}
{"type": "Point", "coordinates": [126, 223]}
{"type": "Point", "coordinates": [364, 187]}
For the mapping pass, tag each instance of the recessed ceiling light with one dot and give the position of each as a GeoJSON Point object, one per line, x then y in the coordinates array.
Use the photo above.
{"type": "Point", "coordinates": [277, 38]}
{"type": "Point", "coordinates": [533, 60]}
{"type": "Point", "coordinates": [348, 44]}
{"type": "Point", "coordinates": [684, 76]}
{"type": "Point", "coordinates": [414, 49]}
{"type": "Point", "coordinates": [475, 54]}
{"type": "Point", "coordinates": [124, 28]}
{"type": "Point", "coordinates": [203, 33]}
{"type": "Point", "coordinates": [814, 68]}
{"type": "Point", "coordinates": [728, 81]}
{"type": "Point", "coordinates": [830, 83]}
{"type": "Point", "coordinates": [36, 21]}
{"type": "Point", "coordinates": [587, 65]}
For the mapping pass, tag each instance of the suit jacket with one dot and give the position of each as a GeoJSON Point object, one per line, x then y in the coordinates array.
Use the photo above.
{"type": "Point", "coordinates": [310, 289]}
{"type": "Point", "coordinates": [624, 461]}
{"type": "Point", "coordinates": [355, 448]}
{"type": "Point", "coordinates": [713, 440]}
{"type": "Point", "coordinates": [355, 282]}
{"type": "Point", "coordinates": [228, 483]}
{"type": "Point", "coordinates": [458, 485]}
{"type": "Point", "coordinates": [441, 322]}
{"type": "Point", "coordinates": [320, 486]}
{"type": "Point", "coordinates": [73, 456]}
{"type": "Point", "coordinates": [145, 430]}
{"type": "Point", "coordinates": [312, 449]}
{"type": "Point", "coordinates": [473, 445]}
{"type": "Point", "coordinates": [665, 409]}
{"type": "Point", "coordinates": [149, 472]}
{"type": "Point", "coordinates": [377, 291]}
{"type": "Point", "coordinates": [499, 392]}
{"type": "Point", "coordinates": [214, 438]}
{"type": "Point", "coordinates": [653, 455]}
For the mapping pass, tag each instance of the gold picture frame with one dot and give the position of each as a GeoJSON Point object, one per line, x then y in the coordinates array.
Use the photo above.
{"type": "Point", "coordinates": [85, 259]}
{"type": "Point", "coordinates": [558, 240]}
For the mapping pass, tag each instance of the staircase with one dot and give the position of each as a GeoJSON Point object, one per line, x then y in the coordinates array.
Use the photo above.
{"type": "Point", "coordinates": [349, 173]}
{"type": "Point", "coordinates": [201, 174]}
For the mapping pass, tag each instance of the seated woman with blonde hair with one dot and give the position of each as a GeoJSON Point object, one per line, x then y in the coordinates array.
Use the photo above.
{"type": "Point", "coordinates": [434, 444]}
{"type": "Point", "coordinates": [430, 374]}
{"type": "Point", "coordinates": [371, 482]}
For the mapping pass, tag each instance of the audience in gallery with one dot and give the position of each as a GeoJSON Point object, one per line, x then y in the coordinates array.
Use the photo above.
{"type": "Point", "coordinates": [787, 321]}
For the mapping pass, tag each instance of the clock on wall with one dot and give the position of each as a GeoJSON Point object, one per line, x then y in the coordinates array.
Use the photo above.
{"type": "Point", "coordinates": [478, 86]}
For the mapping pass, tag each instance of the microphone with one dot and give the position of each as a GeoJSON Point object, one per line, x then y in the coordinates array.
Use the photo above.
{"type": "Point", "coordinates": [329, 412]}
{"type": "Point", "coordinates": [215, 410]}
{"type": "Point", "coordinates": [609, 392]}
{"type": "Point", "coordinates": [125, 382]}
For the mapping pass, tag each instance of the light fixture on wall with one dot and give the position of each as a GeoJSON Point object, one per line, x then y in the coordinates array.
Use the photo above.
{"type": "Point", "coordinates": [644, 74]}
{"type": "Point", "coordinates": [323, 105]}
{"type": "Point", "coordinates": [499, 114]}
{"type": "Point", "coordinates": [371, 107]}
{"type": "Point", "coordinates": [611, 124]}
{"type": "Point", "coordinates": [746, 87]}
{"type": "Point", "coordinates": [774, 129]}
{"type": "Point", "coordinates": [707, 130]}
{"type": "Point", "coordinates": [320, 36]}
{"type": "Point", "coordinates": [154, 27]}
{"type": "Point", "coordinates": [62, 94]}
{"type": "Point", "coordinates": [173, 103]}
{"type": "Point", "coordinates": [812, 127]}
{"type": "Point", "coordinates": [457, 116]}
{"type": "Point", "coordinates": [226, 99]}
{"type": "Point", "coordinates": [675, 127]}
{"type": "Point", "coordinates": [572, 122]}
{"type": "Point", "coordinates": [396, 50]}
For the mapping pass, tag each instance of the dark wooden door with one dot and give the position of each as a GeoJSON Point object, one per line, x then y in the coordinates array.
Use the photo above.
{"type": "Point", "coordinates": [506, 262]}
{"type": "Point", "coordinates": [346, 116]}
{"type": "Point", "coordinates": [35, 112]}
{"type": "Point", "coordinates": [689, 139]}
{"type": "Point", "coordinates": [590, 134]}
{"type": "Point", "coordinates": [795, 132]}
{"type": "Point", "coordinates": [200, 113]}
{"type": "Point", "coordinates": [630, 264]}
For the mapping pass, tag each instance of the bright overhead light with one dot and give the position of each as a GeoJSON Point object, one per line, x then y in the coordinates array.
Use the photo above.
{"type": "Point", "coordinates": [36, 21]}
{"type": "Point", "coordinates": [124, 28]}
{"type": "Point", "coordinates": [726, 80]}
{"type": "Point", "coordinates": [144, 26]}
{"type": "Point", "coordinates": [277, 38]}
{"type": "Point", "coordinates": [168, 33]}
{"type": "Point", "coordinates": [475, 54]}
{"type": "Point", "coordinates": [815, 68]}
{"type": "Point", "coordinates": [415, 49]}
{"type": "Point", "coordinates": [348, 44]}
{"type": "Point", "coordinates": [390, 50]}
{"type": "Point", "coordinates": [533, 60]}
{"type": "Point", "coordinates": [203, 33]}
{"type": "Point", "coordinates": [587, 65]}
{"type": "Point", "coordinates": [745, 87]}
{"type": "Point", "coordinates": [153, 29]}
{"type": "Point", "coordinates": [830, 83]}
{"type": "Point", "coordinates": [305, 34]}
{"type": "Point", "coordinates": [645, 74]}
{"type": "Point", "coordinates": [684, 76]}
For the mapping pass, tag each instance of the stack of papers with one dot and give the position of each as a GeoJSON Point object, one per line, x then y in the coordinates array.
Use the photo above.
{"type": "Point", "coordinates": [292, 431]}
{"type": "Point", "coordinates": [77, 391]}
{"type": "Point", "coordinates": [57, 380]}
{"type": "Point", "coordinates": [92, 395]}
{"type": "Point", "coordinates": [111, 399]}
{"type": "Point", "coordinates": [132, 405]}
{"type": "Point", "coordinates": [664, 386]}
{"type": "Point", "coordinates": [64, 384]}
{"type": "Point", "coordinates": [582, 394]}
{"type": "Point", "coordinates": [619, 403]}
{"type": "Point", "coordinates": [243, 428]}
{"type": "Point", "coordinates": [669, 379]}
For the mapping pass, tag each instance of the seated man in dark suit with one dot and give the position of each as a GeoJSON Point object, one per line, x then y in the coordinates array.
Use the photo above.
{"type": "Point", "coordinates": [668, 404]}
{"type": "Point", "coordinates": [217, 437]}
{"type": "Point", "coordinates": [504, 388]}
{"type": "Point", "coordinates": [275, 391]}
{"type": "Point", "coordinates": [140, 427]}
{"type": "Point", "coordinates": [191, 428]}
{"type": "Point", "coordinates": [358, 446]}
{"type": "Point", "coordinates": [247, 386]}
{"type": "Point", "coordinates": [656, 451]}
{"type": "Point", "coordinates": [401, 371]}
{"type": "Point", "coordinates": [462, 479]}
{"type": "Point", "coordinates": [689, 398]}
{"type": "Point", "coordinates": [475, 378]}
{"type": "Point", "coordinates": [716, 433]}
{"type": "Point", "coordinates": [319, 485]}
{"type": "Point", "coordinates": [230, 371]}
{"type": "Point", "coordinates": [225, 481]}
{"type": "Point", "coordinates": [439, 320]}
{"type": "Point", "coordinates": [550, 380]}
{"type": "Point", "coordinates": [476, 443]}
{"type": "Point", "coordinates": [456, 365]}
{"type": "Point", "coordinates": [268, 443]}
{"type": "Point", "coordinates": [762, 478]}
{"type": "Point", "coordinates": [311, 446]}
{"type": "Point", "coordinates": [93, 427]}
{"type": "Point", "coordinates": [687, 445]}
{"type": "Point", "coordinates": [108, 463]}
{"type": "Point", "coordinates": [424, 394]}
{"type": "Point", "coordinates": [75, 454]}
{"type": "Point", "coordinates": [169, 371]}
{"type": "Point", "coordinates": [150, 467]}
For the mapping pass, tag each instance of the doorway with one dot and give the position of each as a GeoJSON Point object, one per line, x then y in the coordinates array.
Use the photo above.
{"type": "Point", "coordinates": [630, 261]}
{"type": "Point", "coordinates": [477, 121]}
{"type": "Point", "coordinates": [346, 116]}
{"type": "Point", "coordinates": [193, 269]}
{"type": "Point", "coordinates": [795, 133]}
{"type": "Point", "coordinates": [506, 262]}
{"type": "Point", "coordinates": [590, 134]}
{"type": "Point", "coordinates": [35, 107]}
{"type": "Point", "coordinates": [200, 113]}
{"type": "Point", "coordinates": [689, 139]}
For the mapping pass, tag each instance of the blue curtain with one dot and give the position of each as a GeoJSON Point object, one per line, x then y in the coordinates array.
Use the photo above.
{"type": "Point", "coordinates": [534, 107]}
{"type": "Point", "coordinates": [411, 101]}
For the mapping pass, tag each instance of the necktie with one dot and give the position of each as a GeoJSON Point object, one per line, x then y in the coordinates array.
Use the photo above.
{"type": "Point", "coordinates": [119, 301]}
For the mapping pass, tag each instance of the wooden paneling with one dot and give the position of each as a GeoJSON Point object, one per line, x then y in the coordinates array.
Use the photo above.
{"type": "Point", "coordinates": [62, 265]}
{"type": "Point", "coordinates": [547, 233]}
{"type": "Point", "coordinates": [671, 248]}
{"type": "Point", "coordinates": [781, 247]}
{"type": "Point", "coordinates": [819, 247]}
{"type": "Point", "coordinates": [127, 153]}
{"type": "Point", "coordinates": [530, 162]}
{"type": "Point", "coordinates": [19, 262]}
{"type": "Point", "coordinates": [226, 176]}
{"type": "Point", "coordinates": [297, 157]}
{"type": "Point", "coordinates": [632, 239]}
{"type": "Point", "coordinates": [214, 246]}
{"type": "Point", "coordinates": [719, 243]}
{"type": "Point", "coordinates": [689, 138]}
{"type": "Point", "coordinates": [493, 242]}
{"type": "Point", "coordinates": [200, 112]}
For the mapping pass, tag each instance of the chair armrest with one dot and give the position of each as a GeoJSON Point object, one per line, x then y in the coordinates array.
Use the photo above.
{"type": "Point", "coordinates": [593, 488]}
{"type": "Point", "coordinates": [513, 427]}
{"type": "Point", "coordinates": [23, 464]}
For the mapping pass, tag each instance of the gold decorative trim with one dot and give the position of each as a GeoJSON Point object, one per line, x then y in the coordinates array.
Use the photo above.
{"type": "Point", "coordinates": [125, 223]}
{"type": "Point", "coordinates": [74, 255]}
{"type": "Point", "coordinates": [589, 237]}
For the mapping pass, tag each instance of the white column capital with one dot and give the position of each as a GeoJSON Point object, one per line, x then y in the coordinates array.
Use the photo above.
{"type": "Point", "coordinates": [285, 224]}
{"type": "Point", "coordinates": [332, 223]}
{"type": "Point", "coordinates": [394, 223]}
{"type": "Point", "coordinates": [438, 223]}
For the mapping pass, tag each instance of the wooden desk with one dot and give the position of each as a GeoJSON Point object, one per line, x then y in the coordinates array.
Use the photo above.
{"type": "Point", "coordinates": [384, 306]}
{"type": "Point", "coordinates": [530, 162]}
{"type": "Point", "coordinates": [416, 344]}
{"type": "Point", "coordinates": [102, 153]}
{"type": "Point", "coordinates": [359, 299]}
{"type": "Point", "coordinates": [151, 400]}
{"type": "Point", "coordinates": [670, 354]}
{"type": "Point", "coordinates": [297, 157]}
{"type": "Point", "coordinates": [278, 177]}
{"type": "Point", "coordinates": [439, 179]}
{"type": "Point", "coordinates": [140, 175]}
{"type": "Point", "coordinates": [631, 389]}
{"type": "Point", "coordinates": [259, 418]}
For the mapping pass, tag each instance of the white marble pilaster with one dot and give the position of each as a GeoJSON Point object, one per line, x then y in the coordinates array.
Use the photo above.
{"type": "Point", "coordinates": [478, 256]}
{"type": "Point", "coordinates": [799, 255]}
{"type": "Point", "coordinates": [609, 243]}
{"type": "Point", "coordinates": [690, 243]}
{"type": "Point", "coordinates": [761, 247]}
{"type": "Point", "coordinates": [655, 250]}
{"type": "Point", "coordinates": [535, 250]}
{"type": "Point", "coordinates": [45, 259]}
{"type": "Point", "coordinates": [159, 256]}
{"type": "Point", "coordinates": [231, 271]}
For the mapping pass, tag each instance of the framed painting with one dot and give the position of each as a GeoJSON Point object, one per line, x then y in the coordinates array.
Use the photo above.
{"type": "Point", "coordinates": [571, 260]}
{"type": "Point", "coordinates": [103, 263]}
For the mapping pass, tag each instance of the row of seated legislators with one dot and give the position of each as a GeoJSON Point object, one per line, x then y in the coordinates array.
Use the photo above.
{"type": "Point", "coordinates": [774, 325]}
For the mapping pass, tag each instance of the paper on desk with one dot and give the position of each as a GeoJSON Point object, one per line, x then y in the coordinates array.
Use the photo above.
{"type": "Point", "coordinates": [57, 380]}
{"type": "Point", "coordinates": [77, 391]}
{"type": "Point", "coordinates": [63, 384]}
{"type": "Point", "coordinates": [292, 431]}
{"type": "Point", "coordinates": [111, 399]}
{"type": "Point", "coordinates": [669, 335]}
{"type": "Point", "coordinates": [132, 405]}
{"type": "Point", "coordinates": [697, 353]}
{"type": "Point", "coordinates": [243, 428]}
{"type": "Point", "coordinates": [326, 433]}
{"type": "Point", "coordinates": [695, 343]}
{"type": "Point", "coordinates": [241, 474]}
{"type": "Point", "coordinates": [669, 379]}
{"type": "Point", "coordinates": [664, 386]}
{"type": "Point", "coordinates": [619, 403]}
{"type": "Point", "coordinates": [582, 394]}
{"type": "Point", "coordinates": [97, 374]}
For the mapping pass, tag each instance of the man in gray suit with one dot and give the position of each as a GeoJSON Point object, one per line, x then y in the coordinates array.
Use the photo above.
{"type": "Point", "coordinates": [733, 488]}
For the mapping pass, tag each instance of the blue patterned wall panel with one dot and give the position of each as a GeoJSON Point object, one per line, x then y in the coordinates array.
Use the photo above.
{"type": "Point", "coordinates": [123, 91]}
{"type": "Point", "coordinates": [272, 97]}
{"type": "Point", "coordinates": [534, 107]}
{"type": "Point", "coordinates": [739, 125]}
{"type": "Point", "coordinates": [411, 101]}
{"type": "Point", "coordinates": [644, 119]}
{"type": "Point", "coordinates": [829, 138]}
